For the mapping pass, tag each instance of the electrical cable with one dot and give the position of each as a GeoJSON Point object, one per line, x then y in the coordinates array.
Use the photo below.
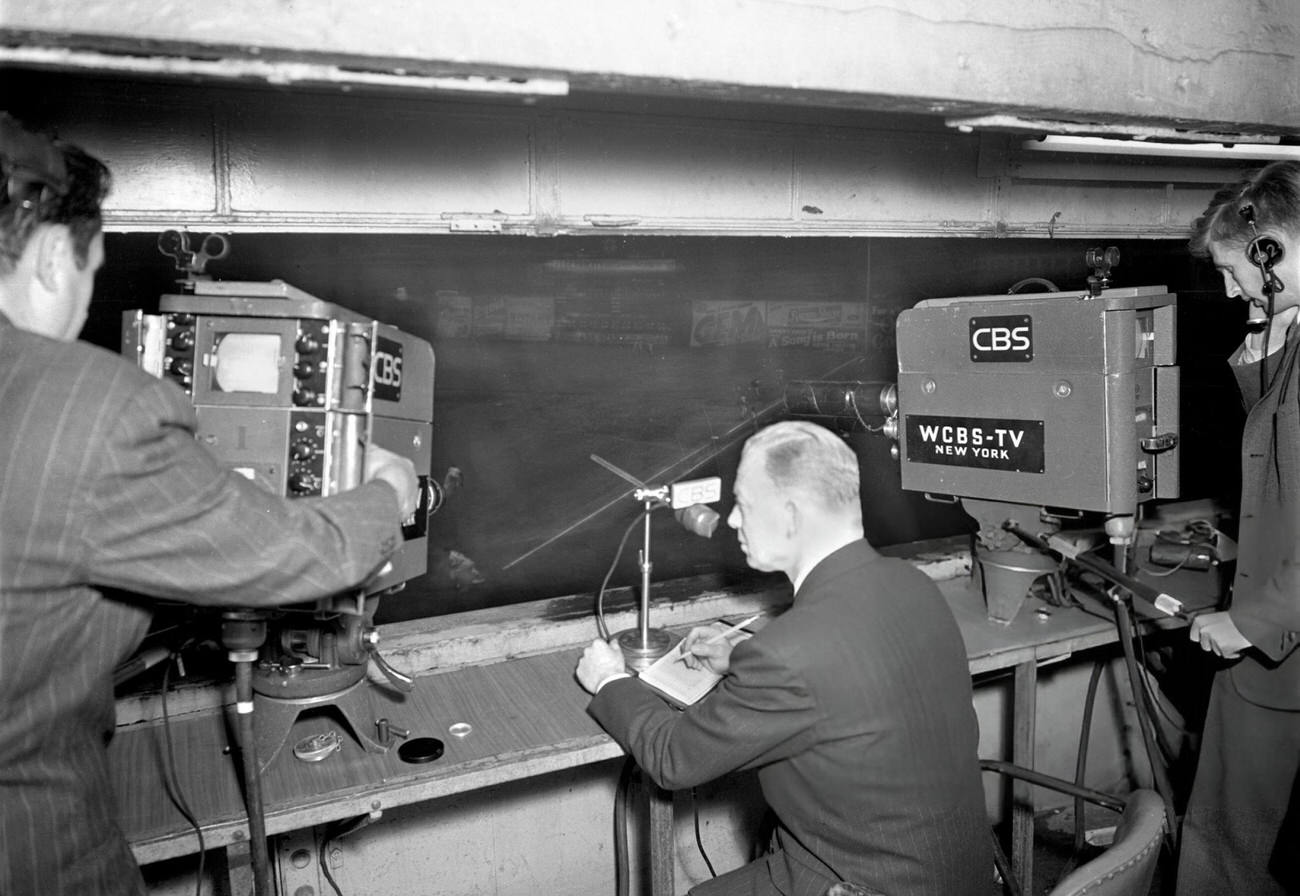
{"type": "Point", "coordinates": [1202, 534]}
{"type": "Point", "coordinates": [618, 555]}
{"type": "Point", "coordinates": [1172, 722]}
{"type": "Point", "coordinates": [336, 831]}
{"type": "Point", "coordinates": [853, 404]}
{"type": "Point", "coordinates": [1153, 705]}
{"type": "Point", "coordinates": [261, 861]}
{"type": "Point", "coordinates": [323, 859]}
{"type": "Point", "coordinates": [1081, 764]}
{"type": "Point", "coordinates": [1122, 608]}
{"type": "Point", "coordinates": [172, 779]}
{"type": "Point", "coordinates": [1159, 774]}
{"type": "Point", "coordinates": [1144, 692]}
{"type": "Point", "coordinates": [699, 841]}
{"type": "Point", "coordinates": [1160, 574]}
{"type": "Point", "coordinates": [1146, 678]}
{"type": "Point", "coordinates": [621, 871]}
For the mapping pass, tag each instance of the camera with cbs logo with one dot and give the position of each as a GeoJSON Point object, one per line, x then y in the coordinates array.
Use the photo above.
{"type": "Point", "coordinates": [1067, 400]}
{"type": "Point", "coordinates": [288, 389]}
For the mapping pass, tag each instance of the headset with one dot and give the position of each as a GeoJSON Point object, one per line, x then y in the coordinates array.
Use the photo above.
{"type": "Point", "coordinates": [1264, 252]}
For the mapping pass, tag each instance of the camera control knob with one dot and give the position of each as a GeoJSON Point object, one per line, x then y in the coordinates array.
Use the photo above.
{"type": "Point", "coordinates": [303, 483]}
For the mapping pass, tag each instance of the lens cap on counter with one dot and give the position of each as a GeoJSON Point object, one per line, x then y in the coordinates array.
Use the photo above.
{"type": "Point", "coordinates": [420, 749]}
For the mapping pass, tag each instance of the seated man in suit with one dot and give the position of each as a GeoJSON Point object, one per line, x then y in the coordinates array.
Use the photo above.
{"type": "Point", "coordinates": [103, 486]}
{"type": "Point", "coordinates": [854, 705]}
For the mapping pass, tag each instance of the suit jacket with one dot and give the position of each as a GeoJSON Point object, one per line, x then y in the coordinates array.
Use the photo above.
{"type": "Point", "coordinates": [855, 707]}
{"type": "Point", "coordinates": [102, 485]}
{"type": "Point", "coordinates": [1266, 588]}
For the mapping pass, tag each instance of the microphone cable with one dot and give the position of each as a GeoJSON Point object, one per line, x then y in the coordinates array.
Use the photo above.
{"type": "Point", "coordinates": [621, 796]}
{"type": "Point", "coordinates": [618, 555]}
{"type": "Point", "coordinates": [171, 779]}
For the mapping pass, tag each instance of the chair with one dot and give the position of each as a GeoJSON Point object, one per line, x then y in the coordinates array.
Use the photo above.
{"type": "Point", "coordinates": [1126, 867]}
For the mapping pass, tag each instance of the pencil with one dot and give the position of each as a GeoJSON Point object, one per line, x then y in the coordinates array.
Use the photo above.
{"type": "Point", "coordinates": [722, 636]}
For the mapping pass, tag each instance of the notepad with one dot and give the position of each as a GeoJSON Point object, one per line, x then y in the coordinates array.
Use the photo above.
{"type": "Point", "coordinates": [679, 684]}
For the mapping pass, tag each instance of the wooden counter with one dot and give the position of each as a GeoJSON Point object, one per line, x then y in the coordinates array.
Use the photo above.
{"type": "Point", "coordinates": [527, 715]}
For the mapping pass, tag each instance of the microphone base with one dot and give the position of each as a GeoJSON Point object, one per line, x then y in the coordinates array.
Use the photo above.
{"type": "Point", "coordinates": [638, 654]}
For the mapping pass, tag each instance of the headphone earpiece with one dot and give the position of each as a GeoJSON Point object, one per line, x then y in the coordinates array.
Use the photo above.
{"type": "Point", "coordinates": [1264, 251]}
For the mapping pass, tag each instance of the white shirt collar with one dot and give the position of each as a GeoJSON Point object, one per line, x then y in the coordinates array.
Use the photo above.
{"type": "Point", "coordinates": [819, 556]}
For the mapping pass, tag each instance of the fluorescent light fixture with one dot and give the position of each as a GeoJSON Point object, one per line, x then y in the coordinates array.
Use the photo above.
{"type": "Point", "coordinates": [1237, 152]}
{"type": "Point", "coordinates": [281, 72]}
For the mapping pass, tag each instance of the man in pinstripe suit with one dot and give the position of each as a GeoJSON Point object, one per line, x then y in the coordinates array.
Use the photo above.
{"type": "Point", "coordinates": [102, 486]}
{"type": "Point", "coordinates": [854, 705]}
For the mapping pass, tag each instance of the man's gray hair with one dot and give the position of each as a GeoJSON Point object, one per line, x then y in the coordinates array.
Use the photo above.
{"type": "Point", "coordinates": [802, 456]}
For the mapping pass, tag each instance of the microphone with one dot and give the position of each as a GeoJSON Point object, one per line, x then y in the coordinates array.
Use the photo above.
{"type": "Point", "coordinates": [698, 518]}
{"type": "Point", "coordinates": [688, 499]}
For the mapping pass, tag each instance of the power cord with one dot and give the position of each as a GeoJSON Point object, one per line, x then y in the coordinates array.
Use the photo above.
{"type": "Point", "coordinates": [335, 831]}
{"type": "Point", "coordinates": [171, 779]}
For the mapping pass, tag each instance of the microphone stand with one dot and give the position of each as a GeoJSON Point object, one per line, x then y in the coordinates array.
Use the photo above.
{"type": "Point", "coordinates": [643, 645]}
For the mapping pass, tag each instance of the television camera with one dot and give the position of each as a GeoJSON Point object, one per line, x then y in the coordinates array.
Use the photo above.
{"type": "Point", "coordinates": [288, 390]}
{"type": "Point", "coordinates": [1029, 410]}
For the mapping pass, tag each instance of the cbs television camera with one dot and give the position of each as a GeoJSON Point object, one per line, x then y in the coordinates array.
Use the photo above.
{"type": "Point", "coordinates": [288, 390]}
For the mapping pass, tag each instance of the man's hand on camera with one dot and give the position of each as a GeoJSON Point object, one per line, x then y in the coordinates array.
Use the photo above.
{"type": "Point", "coordinates": [398, 472]}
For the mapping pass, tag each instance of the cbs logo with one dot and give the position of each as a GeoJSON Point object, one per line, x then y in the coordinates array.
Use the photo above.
{"type": "Point", "coordinates": [388, 370]}
{"type": "Point", "coordinates": [1001, 339]}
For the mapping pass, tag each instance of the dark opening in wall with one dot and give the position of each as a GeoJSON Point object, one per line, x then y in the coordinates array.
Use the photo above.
{"type": "Point", "coordinates": [660, 355]}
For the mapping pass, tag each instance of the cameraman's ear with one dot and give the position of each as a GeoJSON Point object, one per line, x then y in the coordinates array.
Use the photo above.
{"type": "Point", "coordinates": [53, 252]}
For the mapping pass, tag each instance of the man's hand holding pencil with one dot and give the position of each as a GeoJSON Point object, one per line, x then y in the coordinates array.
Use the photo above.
{"type": "Point", "coordinates": [707, 648]}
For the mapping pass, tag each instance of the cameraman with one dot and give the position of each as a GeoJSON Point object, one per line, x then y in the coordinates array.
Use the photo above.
{"type": "Point", "coordinates": [102, 485]}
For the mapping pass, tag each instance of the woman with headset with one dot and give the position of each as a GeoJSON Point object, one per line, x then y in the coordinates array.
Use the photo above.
{"type": "Point", "coordinates": [1235, 835]}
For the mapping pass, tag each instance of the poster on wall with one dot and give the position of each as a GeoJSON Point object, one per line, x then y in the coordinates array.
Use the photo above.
{"type": "Point", "coordinates": [606, 320]}
{"type": "Point", "coordinates": [489, 318]}
{"type": "Point", "coordinates": [455, 314]}
{"type": "Point", "coordinates": [529, 318]}
{"type": "Point", "coordinates": [839, 326]}
{"type": "Point", "coordinates": [727, 323]}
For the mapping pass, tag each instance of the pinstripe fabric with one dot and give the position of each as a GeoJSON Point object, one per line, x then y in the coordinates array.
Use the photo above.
{"type": "Point", "coordinates": [855, 707]}
{"type": "Point", "coordinates": [103, 486]}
